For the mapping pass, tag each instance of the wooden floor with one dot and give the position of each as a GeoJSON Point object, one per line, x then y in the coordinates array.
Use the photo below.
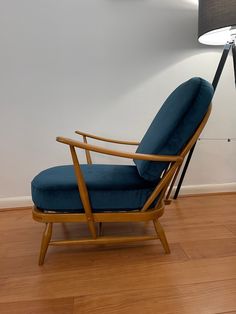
{"type": "Point", "coordinates": [199, 277]}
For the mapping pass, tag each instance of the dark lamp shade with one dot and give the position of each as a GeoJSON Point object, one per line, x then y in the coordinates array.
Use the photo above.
{"type": "Point", "coordinates": [215, 20]}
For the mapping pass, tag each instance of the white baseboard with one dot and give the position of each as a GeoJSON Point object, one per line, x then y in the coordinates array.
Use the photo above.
{"type": "Point", "coordinates": [26, 201]}
{"type": "Point", "coordinates": [14, 202]}
{"type": "Point", "coordinates": [207, 188]}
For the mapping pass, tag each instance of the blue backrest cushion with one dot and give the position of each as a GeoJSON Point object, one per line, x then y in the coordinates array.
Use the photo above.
{"type": "Point", "coordinates": [174, 125]}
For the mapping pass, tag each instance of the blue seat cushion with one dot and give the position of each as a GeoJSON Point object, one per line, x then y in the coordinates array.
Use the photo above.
{"type": "Point", "coordinates": [174, 125]}
{"type": "Point", "coordinates": [110, 188]}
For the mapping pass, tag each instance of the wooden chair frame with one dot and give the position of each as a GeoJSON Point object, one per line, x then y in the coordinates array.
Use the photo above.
{"type": "Point", "coordinates": [145, 214]}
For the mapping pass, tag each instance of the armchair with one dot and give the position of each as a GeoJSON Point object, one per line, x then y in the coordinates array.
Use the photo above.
{"type": "Point", "coordinates": [96, 193]}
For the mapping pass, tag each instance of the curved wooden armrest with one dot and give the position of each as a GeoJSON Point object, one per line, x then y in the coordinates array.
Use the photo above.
{"type": "Point", "coordinates": [106, 151]}
{"type": "Point", "coordinates": [99, 138]}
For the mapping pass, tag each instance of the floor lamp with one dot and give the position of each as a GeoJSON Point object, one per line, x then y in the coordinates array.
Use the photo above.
{"type": "Point", "coordinates": [216, 26]}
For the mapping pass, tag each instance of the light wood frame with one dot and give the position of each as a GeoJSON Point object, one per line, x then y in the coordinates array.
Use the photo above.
{"type": "Point", "coordinates": [145, 214]}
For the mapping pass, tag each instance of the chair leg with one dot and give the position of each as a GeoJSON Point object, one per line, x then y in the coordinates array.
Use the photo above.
{"type": "Point", "coordinates": [160, 232]}
{"type": "Point", "coordinates": [45, 242]}
{"type": "Point", "coordinates": [100, 229]}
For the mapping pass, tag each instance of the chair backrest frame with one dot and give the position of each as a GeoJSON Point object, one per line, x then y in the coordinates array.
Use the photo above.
{"type": "Point", "coordinates": [162, 186]}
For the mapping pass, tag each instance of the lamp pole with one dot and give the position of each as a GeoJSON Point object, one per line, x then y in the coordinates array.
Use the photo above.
{"type": "Point", "coordinates": [228, 46]}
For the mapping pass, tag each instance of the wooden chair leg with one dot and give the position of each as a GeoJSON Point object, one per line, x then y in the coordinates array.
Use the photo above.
{"type": "Point", "coordinates": [160, 232]}
{"type": "Point", "coordinates": [100, 229]}
{"type": "Point", "coordinates": [45, 242]}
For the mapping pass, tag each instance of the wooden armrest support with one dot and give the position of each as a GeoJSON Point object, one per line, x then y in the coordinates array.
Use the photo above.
{"type": "Point", "coordinates": [99, 138]}
{"type": "Point", "coordinates": [106, 151]}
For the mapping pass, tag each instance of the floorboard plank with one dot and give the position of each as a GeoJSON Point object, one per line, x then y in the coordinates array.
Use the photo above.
{"type": "Point", "coordinates": [212, 248]}
{"type": "Point", "coordinates": [202, 298]}
{"type": "Point", "coordinates": [55, 306]}
{"type": "Point", "coordinates": [113, 276]}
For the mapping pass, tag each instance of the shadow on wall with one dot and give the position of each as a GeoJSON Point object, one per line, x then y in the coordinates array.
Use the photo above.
{"type": "Point", "coordinates": [92, 50]}
{"type": "Point", "coordinates": [144, 39]}
{"type": "Point", "coordinates": [128, 42]}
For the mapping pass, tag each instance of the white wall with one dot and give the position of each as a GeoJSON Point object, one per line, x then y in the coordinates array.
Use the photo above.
{"type": "Point", "coordinates": [102, 66]}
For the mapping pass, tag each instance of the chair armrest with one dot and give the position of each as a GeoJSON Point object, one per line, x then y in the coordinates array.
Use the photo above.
{"type": "Point", "coordinates": [122, 154]}
{"type": "Point", "coordinates": [99, 138]}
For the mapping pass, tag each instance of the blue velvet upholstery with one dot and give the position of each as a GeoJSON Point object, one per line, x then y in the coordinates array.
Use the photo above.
{"type": "Point", "coordinates": [111, 188]}
{"type": "Point", "coordinates": [174, 125]}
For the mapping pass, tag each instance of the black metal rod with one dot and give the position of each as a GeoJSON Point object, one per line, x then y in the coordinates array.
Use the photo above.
{"type": "Point", "coordinates": [234, 59]}
{"type": "Point", "coordinates": [221, 65]}
{"type": "Point", "coordinates": [184, 172]}
{"type": "Point", "coordinates": [215, 82]}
